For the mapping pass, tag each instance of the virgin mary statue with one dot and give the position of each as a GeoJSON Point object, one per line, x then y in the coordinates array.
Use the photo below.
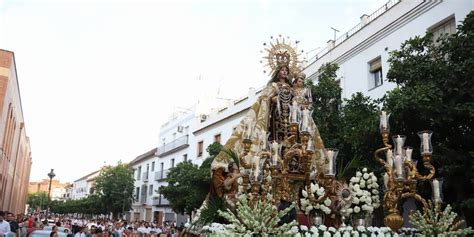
{"type": "Point", "coordinates": [277, 132]}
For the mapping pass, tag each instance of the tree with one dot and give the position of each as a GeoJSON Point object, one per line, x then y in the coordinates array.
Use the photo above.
{"type": "Point", "coordinates": [349, 125]}
{"type": "Point", "coordinates": [327, 104]}
{"type": "Point", "coordinates": [187, 187]}
{"type": "Point", "coordinates": [188, 184]}
{"type": "Point", "coordinates": [435, 92]}
{"type": "Point", "coordinates": [89, 206]}
{"type": "Point", "coordinates": [114, 188]}
{"type": "Point", "coordinates": [38, 200]}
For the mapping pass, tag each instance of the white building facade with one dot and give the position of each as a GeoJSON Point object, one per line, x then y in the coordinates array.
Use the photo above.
{"type": "Point", "coordinates": [363, 51]}
{"type": "Point", "coordinates": [83, 187]}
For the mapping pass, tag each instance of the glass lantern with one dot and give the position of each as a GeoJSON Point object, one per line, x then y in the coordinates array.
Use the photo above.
{"type": "Point", "coordinates": [398, 142]}
{"type": "Point", "coordinates": [407, 153]}
{"type": "Point", "coordinates": [384, 121]}
{"type": "Point", "coordinates": [331, 155]}
{"type": "Point", "coordinates": [437, 187]}
{"type": "Point", "coordinates": [399, 167]}
{"type": "Point", "coordinates": [425, 147]}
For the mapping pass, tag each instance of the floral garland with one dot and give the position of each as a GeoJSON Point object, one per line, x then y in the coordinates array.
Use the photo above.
{"type": "Point", "coordinates": [365, 194]}
{"type": "Point", "coordinates": [317, 192]}
{"type": "Point", "coordinates": [345, 231]}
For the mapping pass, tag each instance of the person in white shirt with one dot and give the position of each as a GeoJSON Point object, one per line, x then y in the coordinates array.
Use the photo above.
{"type": "Point", "coordinates": [4, 225]}
{"type": "Point", "coordinates": [80, 233]}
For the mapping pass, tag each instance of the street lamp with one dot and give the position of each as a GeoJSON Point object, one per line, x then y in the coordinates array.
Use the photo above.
{"type": "Point", "coordinates": [51, 176]}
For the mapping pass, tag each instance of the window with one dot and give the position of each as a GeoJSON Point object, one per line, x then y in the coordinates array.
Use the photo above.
{"type": "Point", "coordinates": [137, 193]}
{"type": "Point", "coordinates": [185, 157]}
{"type": "Point", "coordinates": [152, 166]}
{"type": "Point", "coordinates": [447, 26]}
{"type": "Point", "coordinates": [200, 148]}
{"type": "Point", "coordinates": [172, 163]}
{"type": "Point", "coordinates": [139, 172]}
{"type": "Point", "coordinates": [147, 171]}
{"type": "Point", "coordinates": [217, 138]}
{"type": "Point", "coordinates": [150, 192]}
{"type": "Point", "coordinates": [376, 76]}
{"type": "Point", "coordinates": [161, 167]}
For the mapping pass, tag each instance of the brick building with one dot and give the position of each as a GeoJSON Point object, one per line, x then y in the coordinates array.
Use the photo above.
{"type": "Point", "coordinates": [58, 189]}
{"type": "Point", "coordinates": [15, 159]}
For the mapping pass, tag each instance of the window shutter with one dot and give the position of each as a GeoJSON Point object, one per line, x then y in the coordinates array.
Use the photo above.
{"type": "Point", "coordinates": [375, 65]}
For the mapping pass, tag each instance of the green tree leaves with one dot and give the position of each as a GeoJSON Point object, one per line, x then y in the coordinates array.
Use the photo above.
{"type": "Point", "coordinates": [114, 188]}
{"type": "Point", "coordinates": [189, 184]}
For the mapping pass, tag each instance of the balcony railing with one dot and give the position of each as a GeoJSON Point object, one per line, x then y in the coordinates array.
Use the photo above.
{"type": "Point", "coordinates": [173, 146]}
{"type": "Point", "coordinates": [356, 28]}
{"type": "Point", "coordinates": [161, 175]}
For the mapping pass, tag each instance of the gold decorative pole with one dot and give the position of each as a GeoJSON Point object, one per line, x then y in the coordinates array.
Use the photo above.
{"type": "Point", "coordinates": [401, 175]}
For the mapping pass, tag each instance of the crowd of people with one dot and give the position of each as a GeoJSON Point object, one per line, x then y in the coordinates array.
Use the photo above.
{"type": "Point", "coordinates": [23, 225]}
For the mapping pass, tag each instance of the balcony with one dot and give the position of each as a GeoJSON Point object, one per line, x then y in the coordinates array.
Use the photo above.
{"type": "Point", "coordinates": [160, 201]}
{"type": "Point", "coordinates": [175, 145]}
{"type": "Point", "coordinates": [161, 175]}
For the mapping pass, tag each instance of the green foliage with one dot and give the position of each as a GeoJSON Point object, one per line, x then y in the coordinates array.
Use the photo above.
{"type": "Point", "coordinates": [89, 205]}
{"type": "Point", "coordinates": [435, 92]}
{"type": "Point", "coordinates": [233, 156]}
{"type": "Point", "coordinates": [210, 212]}
{"type": "Point", "coordinates": [360, 136]}
{"type": "Point", "coordinates": [114, 188]}
{"type": "Point", "coordinates": [435, 222]}
{"type": "Point", "coordinates": [187, 187]}
{"type": "Point", "coordinates": [189, 184]}
{"type": "Point", "coordinates": [37, 200]}
{"type": "Point", "coordinates": [327, 103]}
{"type": "Point", "coordinates": [350, 125]}
{"type": "Point", "coordinates": [214, 149]}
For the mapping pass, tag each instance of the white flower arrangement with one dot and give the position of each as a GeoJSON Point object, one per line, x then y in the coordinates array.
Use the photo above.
{"type": "Point", "coordinates": [260, 217]}
{"type": "Point", "coordinates": [437, 222]}
{"type": "Point", "coordinates": [365, 193]}
{"type": "Point", "coordinates": [344, 231]}
{"type": "Point", "coordinates": [317, 193]}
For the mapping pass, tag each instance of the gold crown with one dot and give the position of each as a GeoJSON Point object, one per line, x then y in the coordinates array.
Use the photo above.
{"type": "Point", "coordinates": [281, 52]}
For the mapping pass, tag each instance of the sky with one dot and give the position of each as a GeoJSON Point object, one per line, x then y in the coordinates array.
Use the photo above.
{"type": "Point", "coordinates": [98, 78]}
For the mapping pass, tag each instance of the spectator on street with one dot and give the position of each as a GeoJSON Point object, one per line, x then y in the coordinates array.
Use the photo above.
{"type": "Point", "coordinates": [4, 226]}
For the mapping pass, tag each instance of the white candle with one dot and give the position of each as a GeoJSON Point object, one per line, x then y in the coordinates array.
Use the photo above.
{"type": "Point", "coordinates": [399, 145]}
{"type": "Point", "coordinates": [294, 111]}
{"type": "Point", "coordinates": [256, 171]}
{"type": "Point", "coordinates": [426, 144]}
{"type": "Point", "coordinates": [330, 155]}
{"type": "Point", "coordinates": [385, 180]}
{"type": "Point", "coordinates": [408, 153]}
{"type": "Point", "coordinates": [389, 157]}
{"type": "Point", "coordinates": [275, 150]}
{"type": "Point", "coordinates": [398, 166]}
{"type": "Point", "coordinates": [384, 120]}
{"type": "Point", "coordinates": [304, 120]}
{"type": "Point", "coordinates": [310, 145]}
{"type": "Point", "coordinates": [436, 193]}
